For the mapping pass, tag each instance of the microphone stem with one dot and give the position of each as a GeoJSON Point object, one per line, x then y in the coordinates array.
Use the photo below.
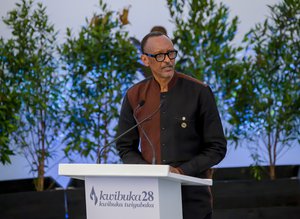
{"type": "Point", "coordinates": [147, 138]}
{"type": "Point", "coordinates": [143, 130]}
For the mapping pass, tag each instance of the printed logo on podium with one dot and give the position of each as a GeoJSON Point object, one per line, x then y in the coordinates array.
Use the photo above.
{"type": "Point", "coordinates": [93, 196]}
{"type": "Point", "coordinates": [129, 199]}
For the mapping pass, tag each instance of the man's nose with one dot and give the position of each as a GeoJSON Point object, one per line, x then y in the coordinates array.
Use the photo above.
{"type": "Point", "coordinates": [167, 59]}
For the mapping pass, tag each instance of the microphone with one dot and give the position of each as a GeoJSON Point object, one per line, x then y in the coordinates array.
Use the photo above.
{"type": "Point", "coordinates": [100, 151]}
{"type": "Point", "coordinates": [144, 133]}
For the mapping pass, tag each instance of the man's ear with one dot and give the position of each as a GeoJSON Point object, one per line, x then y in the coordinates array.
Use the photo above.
{"type": "Point", "coordinates": [145, 60]}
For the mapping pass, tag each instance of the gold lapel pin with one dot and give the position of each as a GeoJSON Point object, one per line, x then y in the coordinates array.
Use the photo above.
{"type": "Point", "coordinates": [183, 123]}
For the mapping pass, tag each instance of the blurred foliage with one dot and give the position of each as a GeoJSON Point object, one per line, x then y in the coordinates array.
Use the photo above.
{"type": "Point", "coordinates": [204, 34]}
{"type": "Point", "coordinates": [100, 62]}
{"type": "Point", "coordinates": [9, 105]}
{"type": "Point", "coordinates": [30, 74]}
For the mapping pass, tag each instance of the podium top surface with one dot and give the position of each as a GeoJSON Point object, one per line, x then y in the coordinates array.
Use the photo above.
{"type": "Point", "coordinates": [80, 171]}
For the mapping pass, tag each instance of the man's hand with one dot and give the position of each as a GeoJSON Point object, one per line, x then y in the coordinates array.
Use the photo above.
{"type": "Point", "coordinates": [174, 170]}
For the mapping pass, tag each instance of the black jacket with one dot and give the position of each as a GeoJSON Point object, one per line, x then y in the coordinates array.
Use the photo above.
{"type": "Point", "coordinates": [185, 128]}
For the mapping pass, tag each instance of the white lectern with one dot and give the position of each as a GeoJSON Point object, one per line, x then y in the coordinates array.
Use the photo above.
{"type": "Point", "coordinates": [121, 191]}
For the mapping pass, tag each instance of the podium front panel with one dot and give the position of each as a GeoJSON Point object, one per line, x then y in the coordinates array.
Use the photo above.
{"type": "Point", "coordinates": [132, 197]}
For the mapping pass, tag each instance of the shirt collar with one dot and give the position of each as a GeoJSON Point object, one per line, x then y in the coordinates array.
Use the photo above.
{"type": "Point", "coordinates": [171, 84]}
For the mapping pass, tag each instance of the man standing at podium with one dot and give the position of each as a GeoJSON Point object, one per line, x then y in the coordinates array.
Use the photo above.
{"type": "Point", "coordinates": [177, 122]}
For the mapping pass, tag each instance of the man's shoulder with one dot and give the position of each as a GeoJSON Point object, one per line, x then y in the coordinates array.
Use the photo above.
{"type": "Point", "coordinates": [138, 91]}
{"type": "Point", "coordinates": [188, 78]}
{"type": "Point", "coordinates": [139, 84]}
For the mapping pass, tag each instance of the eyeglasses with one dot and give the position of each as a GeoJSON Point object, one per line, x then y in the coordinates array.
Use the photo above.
{"type": "Point", "coordinates": [160, 57]}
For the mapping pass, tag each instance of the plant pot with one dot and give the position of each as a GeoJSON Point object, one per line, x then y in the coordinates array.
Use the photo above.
{"type": "Point", "coordinates": [237, 197]}
{"type": "Point", "coordinates": [19, 200]}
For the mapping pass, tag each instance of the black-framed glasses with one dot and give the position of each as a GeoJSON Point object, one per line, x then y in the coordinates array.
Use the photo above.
{"type": "Point", "coordinates": [160, 57]}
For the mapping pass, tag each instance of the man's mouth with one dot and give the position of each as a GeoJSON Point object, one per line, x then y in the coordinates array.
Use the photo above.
{"type": "Point", "coordinates": [168, 67]}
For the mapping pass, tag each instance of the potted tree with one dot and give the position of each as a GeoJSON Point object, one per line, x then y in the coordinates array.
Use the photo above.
{"type": "Point", "coordinates": [100, 65]}
{"type": "Point", "coordinates": [204, 39]}
{"type": "Point", "coordinates": [31, 70]}
{"type": "Point", "coordinates": [263, 96]}
{"type": "Point", "coordinates": [266, 101]}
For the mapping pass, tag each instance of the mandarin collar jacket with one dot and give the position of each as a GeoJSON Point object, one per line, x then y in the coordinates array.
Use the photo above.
{"type": "Point", "coordinates": [181, 127]}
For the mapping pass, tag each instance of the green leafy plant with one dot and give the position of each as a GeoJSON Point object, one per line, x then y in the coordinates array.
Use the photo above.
{"type": "Point", "coordinates": [31, 72]}
{"type": "Point", "coordinates": [9, 106]}
{"type": "Point", "coordinates": [204, 34]}
{"type": "Point", "coordinates": [100, 62]}
{"type": "Point", "coordinates": [265, 108]}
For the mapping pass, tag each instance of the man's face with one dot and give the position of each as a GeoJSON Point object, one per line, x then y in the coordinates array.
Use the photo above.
{"type": "Point", "coordinates": [155, 45]}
